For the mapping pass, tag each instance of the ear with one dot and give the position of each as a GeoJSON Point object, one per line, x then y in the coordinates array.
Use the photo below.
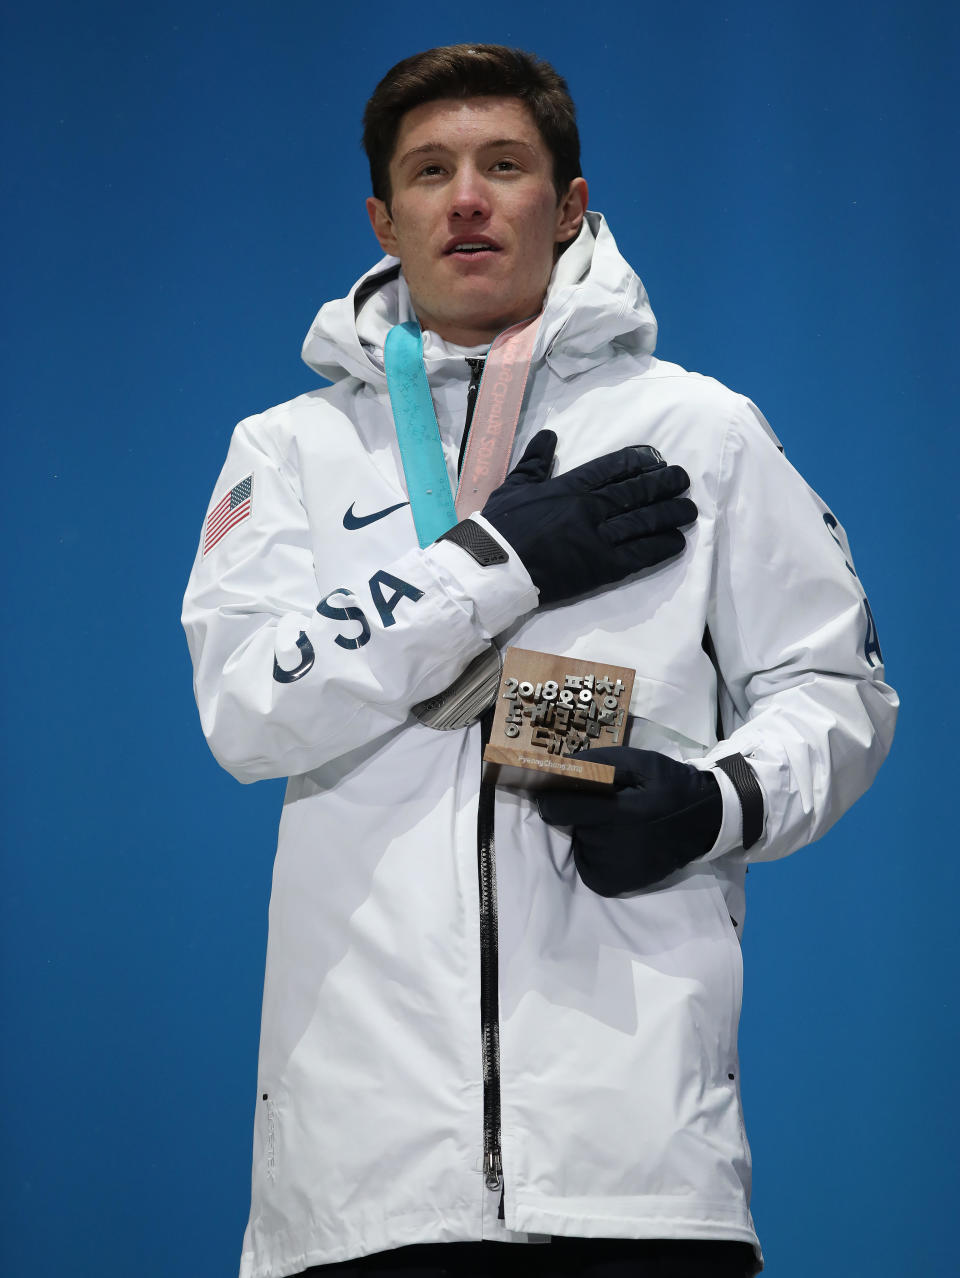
{"type": "Point", "coordinates": [382, 224]}
{"type": "Point", "coordinates": [570, 211]}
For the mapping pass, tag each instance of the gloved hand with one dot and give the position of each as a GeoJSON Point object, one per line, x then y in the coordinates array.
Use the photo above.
{"type": "Point", "coordinates": [661, 815]}
{"type": "Point", "coordinates": [594, 525]}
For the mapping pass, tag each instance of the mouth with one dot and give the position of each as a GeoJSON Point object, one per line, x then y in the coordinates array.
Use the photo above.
{"type": "Point", "coordinates": [470, 247]}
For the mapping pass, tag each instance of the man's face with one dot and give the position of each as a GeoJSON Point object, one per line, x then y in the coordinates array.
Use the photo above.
{"type": "Point", "coordinates": [474, 216]}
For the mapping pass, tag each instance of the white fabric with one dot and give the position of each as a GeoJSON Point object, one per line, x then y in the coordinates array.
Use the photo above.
{"type": "Point", "coordinates": [618, 1017]}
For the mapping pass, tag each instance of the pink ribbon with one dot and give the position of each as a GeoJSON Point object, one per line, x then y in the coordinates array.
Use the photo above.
{"type": "Point", "coordinates": [495, 417]}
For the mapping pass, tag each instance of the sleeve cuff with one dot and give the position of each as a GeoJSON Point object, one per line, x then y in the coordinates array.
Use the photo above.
{"type": "Point", "coordinates": [497, 594]}
{"type": "Point", "coordinates": [730, 836]}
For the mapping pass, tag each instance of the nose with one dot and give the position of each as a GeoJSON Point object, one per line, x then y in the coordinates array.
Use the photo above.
{"type": "Point", "coordinates": [469, 200]}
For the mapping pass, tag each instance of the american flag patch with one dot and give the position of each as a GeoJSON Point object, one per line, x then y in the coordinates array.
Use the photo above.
{"type": "Point", "coordinates": [227, 513]}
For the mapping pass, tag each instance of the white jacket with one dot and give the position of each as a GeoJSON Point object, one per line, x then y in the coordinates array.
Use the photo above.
{"type": "Point", "coordinates": [619, 1083]}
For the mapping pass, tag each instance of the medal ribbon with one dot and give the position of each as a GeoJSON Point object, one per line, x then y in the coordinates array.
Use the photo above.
{"type": "Point", "coordinates": [495, 417]}
{"type": "Point", "coordinates": [492, 430]}
{"type": "Point", "coordinates": [421, 452]}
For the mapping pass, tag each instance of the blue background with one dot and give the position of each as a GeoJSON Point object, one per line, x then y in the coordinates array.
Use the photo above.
{"type": "Point", "coordinates": [185, 189]}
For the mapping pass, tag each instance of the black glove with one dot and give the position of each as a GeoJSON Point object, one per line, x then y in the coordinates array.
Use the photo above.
{"type": "Point", "coordinates": [595, 525]}
{"type": "Point", "coordinates": [661, 815]}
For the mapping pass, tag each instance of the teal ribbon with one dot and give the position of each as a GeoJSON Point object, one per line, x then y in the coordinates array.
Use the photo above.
{"type": "Point", "coordinates": [421, 450]}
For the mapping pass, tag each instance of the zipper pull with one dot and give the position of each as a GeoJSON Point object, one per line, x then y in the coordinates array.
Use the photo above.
{"type": "Point", "coordinates": [500, 1212]}
{"type": "Point", "coordinates": [476, 373]}
{"type": "Point", "coordinates": [494, 1168]}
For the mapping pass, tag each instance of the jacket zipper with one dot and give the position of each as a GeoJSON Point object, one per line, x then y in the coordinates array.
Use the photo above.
{"type": "Point", "coordinates": [487, 874]}
{"type": "Point", "coordinates": [476, 373]}
{"type": "Point", "coordinates": [489, 994]}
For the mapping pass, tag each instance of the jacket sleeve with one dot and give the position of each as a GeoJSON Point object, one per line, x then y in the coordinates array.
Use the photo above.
{"type": "Point", "coordinates": [291, 671]}
{"type": "Point", "coordinates": [803, 696]}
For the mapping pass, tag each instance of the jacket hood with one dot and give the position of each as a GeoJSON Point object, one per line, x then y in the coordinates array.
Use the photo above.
{"type": "Point", "coordinates": [595, 301]}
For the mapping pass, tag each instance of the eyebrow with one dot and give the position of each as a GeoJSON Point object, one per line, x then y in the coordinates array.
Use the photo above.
{"type": "Point", "coordinates": [434, 147]}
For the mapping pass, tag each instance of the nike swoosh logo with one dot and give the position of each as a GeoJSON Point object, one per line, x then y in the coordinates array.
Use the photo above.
{"type": "Point", "coordinates": [352, 521]}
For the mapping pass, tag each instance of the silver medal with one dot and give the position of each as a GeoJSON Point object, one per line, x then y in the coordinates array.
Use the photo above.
{"type": "Point", "coordinates": [467, 697]}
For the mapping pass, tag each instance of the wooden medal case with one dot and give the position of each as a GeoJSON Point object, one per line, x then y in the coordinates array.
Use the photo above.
{"type": "Point", "coordinates": [547, 709]}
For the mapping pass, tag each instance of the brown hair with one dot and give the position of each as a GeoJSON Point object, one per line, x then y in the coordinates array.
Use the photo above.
{"type": "Point", "coordinates": [472, 71]}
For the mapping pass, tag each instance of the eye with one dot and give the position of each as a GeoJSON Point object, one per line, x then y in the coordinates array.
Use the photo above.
{"type": "Point", "coordinates": [430, 170]}
{"type": "Point", "coordinates": [506, 166]}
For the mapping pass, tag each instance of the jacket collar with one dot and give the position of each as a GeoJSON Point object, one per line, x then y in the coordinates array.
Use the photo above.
{"type": "Point", "coordinates": [594, 301]}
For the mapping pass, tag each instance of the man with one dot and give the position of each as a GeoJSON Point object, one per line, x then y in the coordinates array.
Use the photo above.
{"type": "Point", "coordinates": [530, 1042]}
